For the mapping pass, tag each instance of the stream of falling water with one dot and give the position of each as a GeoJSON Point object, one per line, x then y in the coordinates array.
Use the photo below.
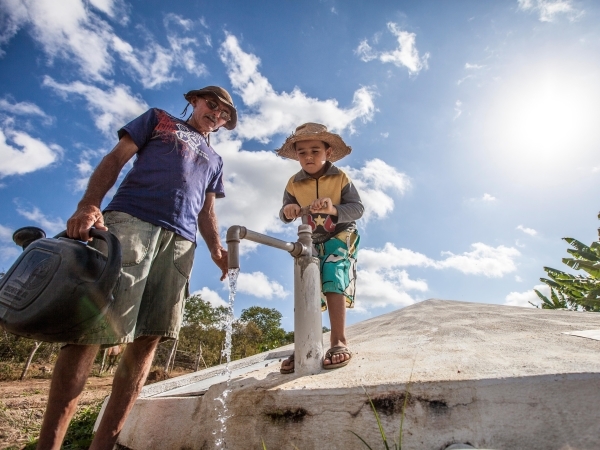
{"type": "Point", "coordinates": [232, 276]}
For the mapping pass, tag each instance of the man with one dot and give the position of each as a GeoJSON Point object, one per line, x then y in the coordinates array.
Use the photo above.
{"type": "Point", "coordinates": [164, 199]}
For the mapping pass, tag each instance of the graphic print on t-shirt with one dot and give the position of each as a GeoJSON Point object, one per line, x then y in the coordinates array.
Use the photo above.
{"type": "Point", "coordinates": [187, 142]}
{"type": "Point", "coordinates": [320, 224]}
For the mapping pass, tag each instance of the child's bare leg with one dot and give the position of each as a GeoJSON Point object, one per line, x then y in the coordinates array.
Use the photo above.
{"type": "Point", "coordinates": [336, 305]}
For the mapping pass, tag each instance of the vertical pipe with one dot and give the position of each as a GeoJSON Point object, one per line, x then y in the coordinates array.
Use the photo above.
{"type": "Point", "coordinates": [308, 328]}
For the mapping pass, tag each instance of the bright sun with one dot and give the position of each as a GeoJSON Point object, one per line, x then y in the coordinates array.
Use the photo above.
{"type": "Point", "coordinates": [545, 117]}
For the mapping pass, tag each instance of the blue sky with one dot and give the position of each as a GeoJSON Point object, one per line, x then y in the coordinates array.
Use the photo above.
{"type": "Point", "coordinates": [473, 127]}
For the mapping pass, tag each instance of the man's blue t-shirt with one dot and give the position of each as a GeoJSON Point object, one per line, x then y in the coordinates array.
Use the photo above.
{"type": "Point", "coordinates": [174, 169]}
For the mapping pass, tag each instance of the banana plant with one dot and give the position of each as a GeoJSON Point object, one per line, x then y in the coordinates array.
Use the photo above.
{"type": "Point", "coordinates": [574, 292]}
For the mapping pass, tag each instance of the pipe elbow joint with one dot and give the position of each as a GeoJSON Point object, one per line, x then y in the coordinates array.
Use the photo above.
{"type": "Point", "coordinates": [299, 250]}
{"type": "Point", "coordinates": [234, 234]}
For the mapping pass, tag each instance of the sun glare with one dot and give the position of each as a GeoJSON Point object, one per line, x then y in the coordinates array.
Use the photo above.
{"type": "Point", "coordinates": [544, 118]}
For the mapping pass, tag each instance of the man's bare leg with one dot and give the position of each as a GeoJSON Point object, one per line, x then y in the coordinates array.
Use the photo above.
{"type": "Point", "coordinates": [336, 305]}
{"type": "Point", "coordinates": [71, 371]}
{"type": "Point", "coordinates": [130, 377]}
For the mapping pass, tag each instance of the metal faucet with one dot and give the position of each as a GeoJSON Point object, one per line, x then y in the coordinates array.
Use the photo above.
{"type": "Point", "coordinates": [308, 328]}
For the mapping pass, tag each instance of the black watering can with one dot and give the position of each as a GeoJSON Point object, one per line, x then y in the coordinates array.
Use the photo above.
{"type": "Point", "coordinates": [58, 288]}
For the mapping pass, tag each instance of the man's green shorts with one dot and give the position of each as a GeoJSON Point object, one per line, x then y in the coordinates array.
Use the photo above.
{"type": "Point", "coordinates": [337, 261]}
{"type": "Point", "coordinates": [150, 293]}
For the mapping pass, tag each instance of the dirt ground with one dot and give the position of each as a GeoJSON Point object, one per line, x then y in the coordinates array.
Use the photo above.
{"type": "Point", "coordinates": [22, 405]}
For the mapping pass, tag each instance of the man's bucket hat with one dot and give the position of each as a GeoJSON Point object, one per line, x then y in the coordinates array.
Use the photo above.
{"type": "Point", "coordinates": [314, 131]}
{"type": "Point", "coordinates": [222, 95]}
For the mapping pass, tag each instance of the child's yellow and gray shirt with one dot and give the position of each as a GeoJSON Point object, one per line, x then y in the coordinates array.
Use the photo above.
{"type": "Point", "coordinates": [302, 189]}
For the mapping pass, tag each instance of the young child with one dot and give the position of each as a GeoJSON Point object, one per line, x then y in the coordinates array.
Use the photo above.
{"type": "Point", "coordinates": [334, 207]}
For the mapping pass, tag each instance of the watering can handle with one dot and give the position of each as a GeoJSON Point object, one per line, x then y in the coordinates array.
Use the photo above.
{"type": "Point", "coordinates": [113, 257]}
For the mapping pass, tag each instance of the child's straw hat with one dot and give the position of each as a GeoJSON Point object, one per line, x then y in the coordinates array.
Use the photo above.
{"type": "Point", "coordinates": [314, 131]}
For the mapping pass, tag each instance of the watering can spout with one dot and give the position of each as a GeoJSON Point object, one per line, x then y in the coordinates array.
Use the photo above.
{"type": "Point", "coordinates": [26, 235]}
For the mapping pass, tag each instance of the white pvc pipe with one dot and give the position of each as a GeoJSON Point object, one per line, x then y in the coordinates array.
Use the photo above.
{"type": "Point", "coordinates": [308, 326]}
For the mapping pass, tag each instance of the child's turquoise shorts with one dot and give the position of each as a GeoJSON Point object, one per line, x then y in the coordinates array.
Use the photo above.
{"type": "Point", "coordinates": [337, 261]}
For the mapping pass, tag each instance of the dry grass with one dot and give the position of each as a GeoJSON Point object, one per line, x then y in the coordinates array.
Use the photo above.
{"type": "Point", "coordinates": [23, 404]}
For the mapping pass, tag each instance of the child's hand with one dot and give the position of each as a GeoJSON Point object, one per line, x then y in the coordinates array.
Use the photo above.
{"type": "Point", "coordinates": [323, 205]}
{"type": "Point", "coordinates": [291, 211]}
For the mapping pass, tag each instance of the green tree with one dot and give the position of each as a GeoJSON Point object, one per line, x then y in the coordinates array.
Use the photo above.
{"type": "Point", "coordinates": [202, 335]}
{"type": "Point", "coordinates": [575, 292]}
{"type": "Point", "coordinates": [246, 340]}
{"type": "Point", "coordinates": [202, 330]}
{"type": "Point", "coordinates": [200, 312]}
{"type": "Point", "coordinates": [268, 321]}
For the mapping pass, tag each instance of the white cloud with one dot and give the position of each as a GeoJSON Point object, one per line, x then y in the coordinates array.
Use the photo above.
{"type": "Point", "coordinates": [85, 169]}
{"type": "Point", "coordinates": [20, 153]}
{"type": "Point", "coordinates": [270, 113]}
{"type": "Point", "coordinates": [493, 262]}
{"type": "Point", "coordinates": [71, 30]}
{"type": "Point", "coordinates": [23, 109]}
{"type": "Point", "coordinates": [484, 260]}
{"type": "Point", "coordinates": [253, 198]}
{"type": "Point", "coordinates": [548, 10]}
{"type": "Point", "coordinates": [373, 181]}
{"type": "Point", "coordinates": [365, 52]}
{"type": "Point", "coordinates": [88, 160]}
{"type": "Point", "coordinates": [473, 66]}
{"type": "Point", "coordinates": [518, 279]}
{"type": "Point", "coordinates": [115, 9]}
{"type": "Point", "coordinates": [8, 253]}
{"type": "Point", "coordinates": [392, 257]}
{"type": "Point", "coordinates": [110, 108]}
{"type": "Point", "coordinates": [186, 24]}
{"type": "Point", "coordinates": [457, 109]}
{"type": "Point", "coordinates": [379, 288]}
{"type": "Point", "coordinates": [5, 234]}
{"type": "Point", "coordinates": [65, 29]}
{"type": "Point", "coordinates": [462, 80]}
{"type": "Point", "coordinates": [153, 65]}
{"type": "Point", "coordinates": [529, 231]}
{"type": "Point", "coordinates": [406, 55]}
{"type": "Point", "coordinates": [12, 17]}
{"type": "Point", "coordinates": [523, 298]}
{"type": "Point", "coordinates": [49, 225]}
{"type": "Point", "coordinates": [211, 297]}
{"type": "Point", "coordinates": [255, 180]}
{"type": "Point", "coordinates": [382, 279]}
{"type": "Point", "coordinates": [485, 198]}
{"type": "Point", "coordinates": [259, 285]}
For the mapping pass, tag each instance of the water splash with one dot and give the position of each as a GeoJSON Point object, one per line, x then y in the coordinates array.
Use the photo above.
{"type": "Point", "coordinates": [232, 276]}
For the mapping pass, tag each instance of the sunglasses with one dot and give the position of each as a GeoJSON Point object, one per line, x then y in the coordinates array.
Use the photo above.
{"type": "Point", "coordinates": [214, 106]}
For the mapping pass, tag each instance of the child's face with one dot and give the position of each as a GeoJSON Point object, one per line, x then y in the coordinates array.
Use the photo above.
{"type": "Point", "coordinates": [312, 156]}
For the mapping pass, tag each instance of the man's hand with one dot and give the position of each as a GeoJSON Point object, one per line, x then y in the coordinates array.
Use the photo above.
{"type": "Point", "coordinates": [291, 211]}
{"type": "Point", "coordinates": [219, 256]}
{"type": "Point", "coordinates": [324, 206]}
{"type": "Point", "coordinates": [86, 217]}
